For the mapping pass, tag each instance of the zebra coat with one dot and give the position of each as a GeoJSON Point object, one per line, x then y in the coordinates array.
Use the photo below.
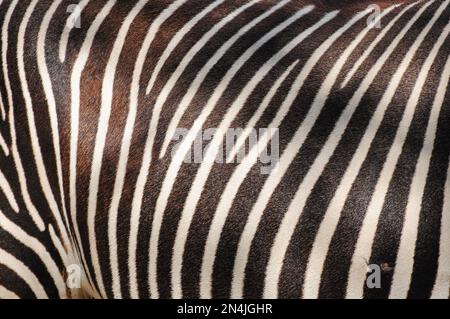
{"type": "Point", "coordinates": [102, 102]}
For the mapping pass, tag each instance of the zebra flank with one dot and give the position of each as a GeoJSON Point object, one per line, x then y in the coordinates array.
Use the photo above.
{"type": "Point", "coordinates": [224, 149]}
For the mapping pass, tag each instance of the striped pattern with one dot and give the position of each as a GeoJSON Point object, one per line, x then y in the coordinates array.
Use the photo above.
{"type": "Point", "coordinates": [88, 174]}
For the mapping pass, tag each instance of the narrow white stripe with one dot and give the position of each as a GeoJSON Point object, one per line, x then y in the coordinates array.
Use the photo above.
{"type": "Point", "coordinates": [2, 108]}
{"type": "Point", "coordinates": [255, 215]}
{"type": "Point", "coordinates": [75, 82]}
{"type": "Point", "coordinates": [15, 153]}
{"type": "Point", "coordinates": [377, 40]}
{"type": "Point", "coordinates": [331, 217]}
{"type": "Point", "coordinates": [100, 140]}
{"type": "Point", "coordinates": [58, 244]}
{"type": "Point", "coordinates": [23, 272]}
{"type": "Point", "coordinates": [67, 28]}
{"type": "Point", "coordinates": [38, 248]}
{"type": "Point", "coordinates": [405, 256]}
{"type": "Point", "coordinates": [4, 146]}
{"type": "Point", "coordinates": [183, 228]}
{"type": "Point", "coordinates": [48, 91]}
{"type": "Point", "coordinates": [441, 287]}
{"type": "Point", "coordinates": [126, 141]}
{"type": "Point", "coordinates": [186, 215]}
{"type": "Point", "coordinates": [177, 39]}
{"type": "Point", "coordinates": [7, 294]}
{"type": "Point", "coordinates": [257, 115]}
{"type": "Point", "coordinates": [201, 75]}
{"type": "Point", "coordinates": [143, 173]}
{"type": "Point", "coordinates": [6, 188]}
{"type": "Point", "coordinates": [38, 159]}
{"type": "Point", "coordinates": [290, 219]}
{"type": "Point", "coordinates": [242, 138]}
{"type": "Point", "coordinates": [363, 249]}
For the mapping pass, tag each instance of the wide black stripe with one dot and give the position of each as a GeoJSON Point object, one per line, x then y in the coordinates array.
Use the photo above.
{"type": "Point", "coordinates": [427, 246]}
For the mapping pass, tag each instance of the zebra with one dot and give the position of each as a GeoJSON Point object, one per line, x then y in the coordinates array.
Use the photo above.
{"type": "Point", "coordinates": [94, 180]}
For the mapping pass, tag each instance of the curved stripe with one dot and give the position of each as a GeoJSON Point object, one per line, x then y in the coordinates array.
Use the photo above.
{"type": "Point", "coordinates": [363, 247]}
{"type": "Point", "coordinates": [34, 138]}
{"type": "Point", "coordinates": [4, 146]}
{"type": "Point", "coordinates": [126, 141]}
{"type": "Point", "coordinates": [221, 213]}
{"type": "Point", "coordinates": [56, 241]}
{"type": "Point", "coordinates": [375, 42]}
{"type": "Point", "coordinates": [7, 294]}
{"type": "Point", "coordinates": [177, 39]}
{"type": "Point", "coordinates": [295, 209]}
{"type": "Point", "coordinates": [441, 287]}
{"type": "Point", "coordinates": [328, 225]}
{"type": "Point", "coordinates": [48, 91]}
{"type": "Point", "coordinates": [205, 167]}
{"type": "Point", "coordinates": [187, 213]}
{"type": "Point", "coordinates": [317, 105]}
{"type": "Point", "coordinates": [68, 27]}
{"type": "Point", "coordinates": [250, 126]}
{"type": "Point", "coordinates": [75, 82]}
{"type": "Point", "coordinates": [183, 228]}
{"type": "Point", "coordinates": [15, 153]}
{"type": "Point", "coordinates": [2, 108]}
{"type": "Point", "coordinates": [100, 140]}
{"type": "Point", "coordinates": [330, 220]}
{"type": "Point", "coordinates": [6, 188]}
{"type": "Point", "coordinates": [38, 248]}
{"type": "Point", "coordinates": [143, 173]}
{"type": "Point", "coordinates": [23, 272]}
{"type": "Point", "coordinates": [242, 138]}
{"type": "Point", "coordinates": [405, 256]}
{"type": "Point", "coordinates": [201, 75]}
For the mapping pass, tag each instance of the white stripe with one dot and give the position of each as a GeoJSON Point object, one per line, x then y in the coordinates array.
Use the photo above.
{"type": "Point", "coordinates": [177, 39]}
{"type": "Point", "coordinates": [187, 213]}
{"type": "Point", "coordinates": [203, 172]}
{"type": "Point", "coordinates": [48, 91]}
{"type": "Point", "coordinates": [201, 75]}
{"type": "Point", "coordinates": [363, 249]}
{"type": "Point", "coordinates": [290, 219]}
{"type": "Point", "coordinates": [2, 108]}
{"type": "Point", "coordinates": [183, 228]}
{"type": "Point", "coordinates": [75, 82]}
{"type": "Point", "coordinates": [377, 40]}
{"type": "Point", "coordinates": [23, 272]}
{"type": "Point", "coordinates": [4, 146]}
{"type": "Point", "coordinates": [56, 241]}
{"type": "Point", "coordinates": [7, 294]}
{"type": "Point", "coordinates": [38, 159]}
{"type": "Point", "coordinates": [100, 140]}
{"type": "Point", "coordinates": [38, 248]}
{"type": "Point", "coordinates": [256, 117]}
{"type": "Point", "coordinates": [331, 217]}
{"type": "Point", "coordinates": [242, 138]}
{"type": "Point", "coordinates": [15, 153]}
{"type": "Point", "coordinates": [6, 188]}
{"type": "Point", "coordinates": [143, 173]}
{"type": "Point", "coordinates": [67, 28]}
{"type": "Point", "coordinates": [126, 140]}
{"type": "Point", "coordinates": [255, 215]}
{"type": "Point", "coordinates": [405, 256]}
{"type": "Point", "coordinates": [441, 287]}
